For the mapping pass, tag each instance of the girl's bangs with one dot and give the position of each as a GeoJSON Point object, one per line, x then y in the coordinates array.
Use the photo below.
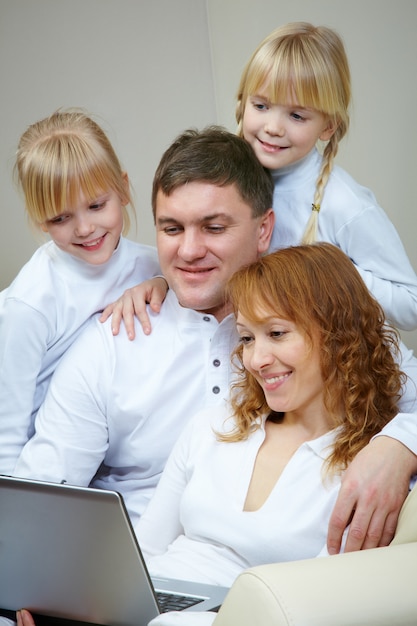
{"type": "Point", "coordinates": [292, 83]}
{"type": "Point", "coordinates": [70, 180]}
{"type": "Point", "coordinates": [291, 78]}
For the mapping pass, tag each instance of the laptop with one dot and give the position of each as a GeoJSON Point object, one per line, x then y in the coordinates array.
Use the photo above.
{"type": "Point", "coordinates": [71, 553]}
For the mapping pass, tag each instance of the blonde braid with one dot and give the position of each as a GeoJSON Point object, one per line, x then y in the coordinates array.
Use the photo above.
{"type": "Point", "coordinates": [329, 154]}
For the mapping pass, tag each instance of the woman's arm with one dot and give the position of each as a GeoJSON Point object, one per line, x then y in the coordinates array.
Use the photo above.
{"type": "Point", "coordinates": [160, 524]}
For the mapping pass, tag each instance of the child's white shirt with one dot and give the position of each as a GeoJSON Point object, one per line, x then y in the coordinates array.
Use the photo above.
{"type": "Point", "coordinates": [351, 219]}
{"type": "Point", "coordinates": [42, 312]}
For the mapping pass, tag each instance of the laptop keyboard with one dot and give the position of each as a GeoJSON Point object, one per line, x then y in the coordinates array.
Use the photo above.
{"type": "Point", "coordinates": [174, 602]}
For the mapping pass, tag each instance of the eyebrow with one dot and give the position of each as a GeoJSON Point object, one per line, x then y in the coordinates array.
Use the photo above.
{"type": "Point", "coordinates": [290, 105]}
{"type": "Point", "coordinates": [259, 96]}
{"type": "Point", "coordinates": [164, 220]}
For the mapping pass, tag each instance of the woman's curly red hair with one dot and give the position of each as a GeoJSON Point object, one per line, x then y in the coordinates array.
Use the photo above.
{"type": "Point", "coordinates": [319, 289]}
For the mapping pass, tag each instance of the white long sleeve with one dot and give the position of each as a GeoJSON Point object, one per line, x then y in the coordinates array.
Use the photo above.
{"type": "Point", "coordinates": [115, 407]}
{"type": "Point", "coordinates": [195, 526]}
{"type": "Point", "coordinates": [41, 314]}
{"type": "Point", "coordinates": [351, 219]}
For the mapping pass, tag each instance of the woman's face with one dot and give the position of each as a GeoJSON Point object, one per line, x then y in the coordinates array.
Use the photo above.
{"type": "Point", "coordinates": [285, 363]}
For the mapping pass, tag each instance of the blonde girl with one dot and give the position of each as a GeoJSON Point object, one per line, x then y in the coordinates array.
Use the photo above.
{"type": "Point", "coordinates": [295, 93]}
{"type": "Point", "coordinates": [294, 96]}
{"type": "Point", "coordinates": [75, 191]}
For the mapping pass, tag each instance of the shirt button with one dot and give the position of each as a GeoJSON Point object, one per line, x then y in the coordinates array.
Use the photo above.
{"type": "Point", "coordinates": [216, 389]}
{"type": "Point", "coordinates": [206, 318]}
{"type": "Point", "coordinates": [216, 362]}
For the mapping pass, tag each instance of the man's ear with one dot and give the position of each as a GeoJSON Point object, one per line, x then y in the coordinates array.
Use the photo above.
{"type": "Point", "coordinates": [266, 228]}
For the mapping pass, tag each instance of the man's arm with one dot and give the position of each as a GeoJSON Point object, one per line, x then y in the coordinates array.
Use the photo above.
{"type": "Point", "coordinates": [71, 435]}
{"type": "Point", "coordinates": [372, 493]}
{"type": "Point", "coordinates": [376, 483]}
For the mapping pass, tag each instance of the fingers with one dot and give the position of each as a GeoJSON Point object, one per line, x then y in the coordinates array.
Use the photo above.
{"type": "Point", "coordinates": [107, 312]}
{"type": "Point", "coordinates": [371, 515]}
{"type": "Point", "coordinates": [371, 495]}
{"type": "Point", "coordinates": [134, 303]}
{"type": "Point", "coordinates": [152, 292]}
{"type": "Point", "coordinates": [361, 531]}
{"type": "Point", "coordinates": [158, 293]}
{"type": "Point", "coordinates": [389, 529]}
{"type": "Point", "coordinates": [24, 618]}
{"type": "Point", "coordinates": [144, 322]}
{"type": "Point", "coordinates": [373, 531]}
{"type": "Point", "coordinates": [122, 309]}
{"type": "Point", "coordinates": [341, 516]}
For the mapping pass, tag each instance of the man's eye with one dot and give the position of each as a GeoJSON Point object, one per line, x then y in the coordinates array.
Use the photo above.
{"type": "Point", "coordinates": [215, 228]}
{"type": "Point", "coordinates": [172, 230]}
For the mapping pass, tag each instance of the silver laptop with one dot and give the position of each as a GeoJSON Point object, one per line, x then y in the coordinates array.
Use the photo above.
{"type": "Point", "coordinates": [71, 552]}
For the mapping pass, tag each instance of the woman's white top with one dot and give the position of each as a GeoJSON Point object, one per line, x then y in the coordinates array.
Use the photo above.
{"type": "Point", "coordinates": [195, 526]}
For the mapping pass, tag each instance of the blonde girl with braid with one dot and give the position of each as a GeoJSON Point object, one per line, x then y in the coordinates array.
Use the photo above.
{"type": "Point", "coordinates": [294, 97]}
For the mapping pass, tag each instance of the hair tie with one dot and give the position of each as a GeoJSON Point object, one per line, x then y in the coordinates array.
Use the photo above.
{"type": "Point", "coordinates": [315, 207]}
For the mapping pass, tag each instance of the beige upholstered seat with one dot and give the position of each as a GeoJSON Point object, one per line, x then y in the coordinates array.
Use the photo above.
{"type": "Point", "coordinates": [373, 587]}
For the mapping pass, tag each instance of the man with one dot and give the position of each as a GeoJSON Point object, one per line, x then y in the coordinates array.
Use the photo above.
{"type": "Point", "coordinates": [114, 407]}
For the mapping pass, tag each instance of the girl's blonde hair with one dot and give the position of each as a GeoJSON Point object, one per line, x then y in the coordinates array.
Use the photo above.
{"type": "Point", "coordinates": [319, 289]}
{"type": "Point", "coordinates": [309, 64]}
{"type": "Point", "coordinates": [63, 155]}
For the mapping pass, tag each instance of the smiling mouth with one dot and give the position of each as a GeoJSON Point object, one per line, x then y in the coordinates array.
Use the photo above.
{"type": "Point", "coordinates": [276, 379]}
{"type": "Point", "coordinates": [271, 147]}
{"type": "Point", "coordinates": [92, 245]}
{"type": "Point", "coordinates": [198, 270]}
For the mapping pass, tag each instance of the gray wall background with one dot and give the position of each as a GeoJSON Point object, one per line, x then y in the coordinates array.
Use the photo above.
{"type": "Point", "coordinates": [147, 70]}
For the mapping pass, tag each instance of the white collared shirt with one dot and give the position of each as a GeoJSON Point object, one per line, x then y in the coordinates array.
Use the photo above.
{"type": "Point", "coordinates": [196, 528]}
{"type": "Point", "coordinates": [116, 407]}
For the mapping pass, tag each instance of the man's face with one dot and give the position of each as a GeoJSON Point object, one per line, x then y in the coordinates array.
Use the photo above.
{"type": "Point", "coordinates": [204, 234]}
